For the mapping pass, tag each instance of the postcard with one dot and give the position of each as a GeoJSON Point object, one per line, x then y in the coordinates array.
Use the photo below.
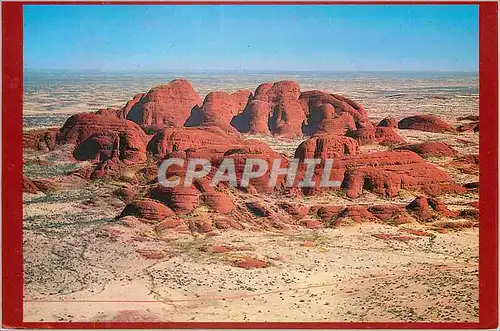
{"type": "Point", "coordinates": [250, 165]}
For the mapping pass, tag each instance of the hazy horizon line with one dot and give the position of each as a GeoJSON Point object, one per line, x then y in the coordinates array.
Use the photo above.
{"type": "Point", "coordinates": [261, 71]}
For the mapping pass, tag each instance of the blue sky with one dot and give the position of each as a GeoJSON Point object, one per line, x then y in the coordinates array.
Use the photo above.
{"type": "Point", "coordinates": [264, 38]}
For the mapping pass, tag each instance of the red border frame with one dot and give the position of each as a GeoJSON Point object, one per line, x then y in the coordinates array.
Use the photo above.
{"type": "Point", "coordinates": [12, 124]}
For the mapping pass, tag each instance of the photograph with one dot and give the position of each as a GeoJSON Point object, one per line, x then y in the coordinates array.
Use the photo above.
{"type": "Point", "coordinates": [252, 163]}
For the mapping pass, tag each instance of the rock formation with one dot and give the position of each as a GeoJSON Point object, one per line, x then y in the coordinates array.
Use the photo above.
{"type": "Point", "coordinates": [41, 140]}
{"type": "Point", "coordinates": [389, 122]}
{"type": "Point", "coordinates": [376, 135]}
{"type": "Point", "coordinates": [429, 123]}
{"type": "Point", "coordinates": [254, 119]}
{"type": "Point", "coordinates": [326, 147]}
{"type": "Point", "coordinates": [210, 138]}
{"type": "Point", "coordinates": [386, 173]}
{"type": "Point", "coordinates": [431, 149]}
{"type": "Point", "coordinates": [147, 209]}
{"type": "Point", "coordinates": [219, 109]}
{"type": "Point", "coordinates": [98, 138]}
{"type": "Point", "coordinates": [165, 105]}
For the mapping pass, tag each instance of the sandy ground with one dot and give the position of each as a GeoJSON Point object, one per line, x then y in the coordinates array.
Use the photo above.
{"type": "Point", "coordinates": [349, 275]}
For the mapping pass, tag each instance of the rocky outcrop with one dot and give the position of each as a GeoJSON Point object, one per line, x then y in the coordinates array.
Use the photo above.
{"type": "Point", "coordinates": [129, 144]}
{"type": "Point", "coordinates": [125, 194]}
{"type": "Point", "coordinates": [376, 135]}
{"type": "Point", "coordinates": [256, 150]}
{"type": "Point", "coordinates": [254, 119]}
{"type": "Point", "coordinates": [287, 114]}
{"type": "Point", "coordinates": [287, 119]}
{"type": "Point", "coordinates": [251, 263]}
{"type": "Point", "coordinates": [297, 211]}
{"type": "Point", "coordinates": [283, 110]}
{"type": "Point", "coordinates": [180, 199]}
{"type": "Point", "coordinates": [431, 149]}
{"type": "Point", "coordinates": [386, 212]}
{"type": "Point", "coordinates": [41, 140]}
{"type": "Point", "coordinates": [170, 140]}
{"type": "Point", "coordinates": [97, 138]}
{"type": "Point", "coordinates": [165, 105]}
{"type": "Point", "coordinates": [326, 147]}
{"type": "Point", "coordinates": [429, 123]}
{"type": "Point", "coordinates": [386, 173]}
{"type": "Point", "coordinates": [219, 109]}
{"type": "Point", "coordinates": [388, 122]}
{"type": "Point", "coordinates": [315, 104]}
{"type": "Point", "coordinates": [147, 209]}
{"type": "Point", "coordinates": [426, 209]}
{"type": "Point", "coordinates": [327, 213]}
{"type": "Point", "coordinates": [337, 125]}
{"type": "Point", "coordinates": [278, 92]}
{"type": "Point", "coordinates": [468, 164]}
{"type": "Point", "coordinates": [355, 213]}
{"type": "Point", "coordinates": [123, 112]}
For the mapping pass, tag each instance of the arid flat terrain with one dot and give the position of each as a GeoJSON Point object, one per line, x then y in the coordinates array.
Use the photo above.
{"type": "Point", "coordinates": [404, 250]}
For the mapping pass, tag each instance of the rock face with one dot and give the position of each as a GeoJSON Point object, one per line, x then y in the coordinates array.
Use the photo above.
{"type": "Point", "coordinates": [147, 209]}
{"type": "Point", "coordinates": [385, 173]}
{"type": "Point", "coordinates": [334, 216]}
{"type": "Point", "coordinates": [254, 119]}
{"type": "Point", "coordinates": [326, 147]}
{"type": "Point", "coordinates": [41, 140]}
{"type": "Point", "coordinates": [99, 138]}
{"type": "Point", "coordinates": [278, 92]}
{"type": "Point", "coordinates": [123, 112]}
{"type": "Point", "coordinates": [287, 119]}
{"type": "Point", "coordinates": [211, 139]}
{"type": "Point", "coordinates": [314, 103]}
{"type": "Point", "coordinates": [125, 193]}
{"type": "Point", "coordinates": [287, 113]}
{"type": "Point", "coordinates": [429, 123]}
{"type": "Point", "coordinates": [426, 209]}
{"type": "Point", "coordinates": [388, 122]}
{"type": "Point", "coordinates": [255, 150]}
{"type": "Point", "coordinates": [276, 108]}
{"type": "Point", "coordinates": [295, 210]}
{"type": "Point", "coordinates": [281, 109]}
{"type": "Point", "coordinates": [180, 199]}
{"type": "Point", "coordinates": [377, 135]}
{"type": "Point", "coordinates": [219, 108]}
{"type": "Point", "coordinates": [431, 149]}
{"type": "Point", "coordinates": [337, 125]}
{"type": "Point", "coordinates": [420, 207]}
{"type": "Point", "coordinates": [387, 212]}
{"type": "Point", "coordinates": [165, 105]}
{"type": "Point", "coordinates": [356, 213]}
